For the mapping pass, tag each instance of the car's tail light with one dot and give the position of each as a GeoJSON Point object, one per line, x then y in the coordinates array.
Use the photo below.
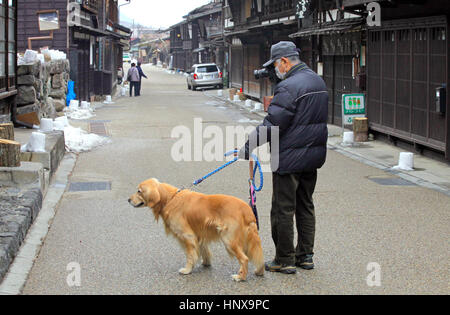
{"type": "Point", "coordinates": [195, 76]}
{"type": "Point", "coordinates": [220, 74]}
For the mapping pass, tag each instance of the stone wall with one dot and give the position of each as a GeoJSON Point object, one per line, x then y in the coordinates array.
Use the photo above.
{"type": "Point", "coordinates": [42, 88]}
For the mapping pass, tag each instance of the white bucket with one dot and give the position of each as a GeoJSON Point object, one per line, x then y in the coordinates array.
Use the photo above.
{"type": "Point", "coordinates": [108, 99]}
{"type": "Point", "coordinates": [406, 161]}
{"type": "Point", "coordinates": [123, 91]}
{"type": "Point", "coordinates": [37, 142]}
{"type": "Point", "coordinates": [349, 137]}
{"type": "Point", "coordinates": [236, 98]}
{"type": "Point", "coordinates": [258, 106]}
{"type": "Point", "coordinates": [46, 124]}
{"type": "Point", "coordinates": [248, 103]}
{"type": "Point", "coordinates": [220, 93]}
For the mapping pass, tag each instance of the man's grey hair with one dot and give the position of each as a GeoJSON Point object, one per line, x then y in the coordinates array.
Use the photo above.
{"type": "Point", "coordinates": [293, 59]}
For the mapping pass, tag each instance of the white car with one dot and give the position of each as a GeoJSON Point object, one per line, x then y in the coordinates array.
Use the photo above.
{"type": "Point", "coordinates": [203, 75]}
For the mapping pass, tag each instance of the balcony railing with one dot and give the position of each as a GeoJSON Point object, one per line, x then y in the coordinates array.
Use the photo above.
{"type": "Point", "coordinates": [278, 8]}
{"type": "Point", "coordinates": [92, 5]}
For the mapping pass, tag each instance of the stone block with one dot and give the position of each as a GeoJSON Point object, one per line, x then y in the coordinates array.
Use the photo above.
{"type": "Point", "coordinates": [57, 93]}
{"type": "Point", "coordinates": [27, 79]}
{"type": "Point", "coordinates": [26, 95]}
{"type": "Point", "coordinates": [33, 69]}
{"type": "Point", "coordinates": [59, 104]}
{"type": "Point", "coordinates": [58, 81]}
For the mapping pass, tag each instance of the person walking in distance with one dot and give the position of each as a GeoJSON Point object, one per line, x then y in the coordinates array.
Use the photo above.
{"type": "Point", "coordinates": [141, 74]}
{"type": "Point", "coordinates": [134, 78]}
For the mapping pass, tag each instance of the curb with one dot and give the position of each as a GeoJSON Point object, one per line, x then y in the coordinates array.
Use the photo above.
{"type": "Point", "coordinates": [18, 210]}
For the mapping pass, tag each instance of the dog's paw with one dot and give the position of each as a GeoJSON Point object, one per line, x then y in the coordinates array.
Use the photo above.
{"type": "Point", "coordinates": [184, 271]}
{"type": "Point", "coordinates": [237, 278]}
{"type": "Point", "coordinates": [259, 273]}
{"type": "Point", "coordinates": [206, 264]}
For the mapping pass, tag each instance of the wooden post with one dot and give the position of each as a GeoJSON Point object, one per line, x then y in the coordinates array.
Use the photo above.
{"type": "Point", "coordinates": [9, 153]}
{"type": "Point", "coordinates": [7, 131]}
{"type": "Point", "coordinates": [361, 129]}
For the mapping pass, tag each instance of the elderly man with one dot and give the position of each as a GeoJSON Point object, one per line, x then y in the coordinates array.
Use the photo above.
{"type": "Point", "coordinates": [299, 111]}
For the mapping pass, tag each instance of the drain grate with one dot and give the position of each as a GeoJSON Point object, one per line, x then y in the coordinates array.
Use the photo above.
{"type": "Point", "coordinates": [98, 128]}
{"type": "Point", "coordinates": [89, 186]}
{"type": "Point", "coordinates": [391, 181]}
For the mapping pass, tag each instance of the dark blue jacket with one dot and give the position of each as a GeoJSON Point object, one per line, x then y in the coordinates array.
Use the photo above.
{"type": "Point", "coordinates": [141, 73]}
{"type": "Point", "coordinates": [300, 110]}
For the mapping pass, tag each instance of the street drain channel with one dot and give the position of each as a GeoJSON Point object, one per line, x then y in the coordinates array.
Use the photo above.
{"type": "Point", "coordinates": [391, 181]}
{"type": "Point", "coordinates": [89, 186]}
{"type": "Point", "coordinates": [98, 128]}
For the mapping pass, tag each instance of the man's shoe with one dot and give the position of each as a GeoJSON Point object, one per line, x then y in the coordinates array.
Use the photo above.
{"type": "Point", "coordinates": [305, 262]}
{"type": "Point", "coordinates": [273, 266]}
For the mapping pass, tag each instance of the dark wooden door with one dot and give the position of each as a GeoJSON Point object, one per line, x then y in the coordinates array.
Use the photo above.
{"type": "Point", "coordinates": [405, 66]}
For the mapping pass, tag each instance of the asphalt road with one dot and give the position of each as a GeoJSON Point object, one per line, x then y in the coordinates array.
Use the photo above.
{"type": "Point", "coordinates": [122, 250]}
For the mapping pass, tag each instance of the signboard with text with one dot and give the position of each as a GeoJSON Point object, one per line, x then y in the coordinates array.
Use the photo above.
{"type": "Point", "coordinates": [353, 106]}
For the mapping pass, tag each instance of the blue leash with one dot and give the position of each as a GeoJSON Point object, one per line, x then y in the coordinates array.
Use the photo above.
{"type": "Point", "coordinates": [257, 167]}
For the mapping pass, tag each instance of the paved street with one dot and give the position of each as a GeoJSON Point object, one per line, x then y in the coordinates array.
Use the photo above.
{"type": "Point", "coordinates": [122, 250]}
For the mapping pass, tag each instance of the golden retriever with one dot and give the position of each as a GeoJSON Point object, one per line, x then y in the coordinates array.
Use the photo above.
{"type": "Point", "coordinates": [197, 219]}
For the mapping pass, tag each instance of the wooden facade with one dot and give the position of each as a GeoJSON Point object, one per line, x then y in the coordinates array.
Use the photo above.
{"type": "Point", "coordinates": [199, 38]}
{"type": "Point", "coordinates": [93, 41]}
{"type": "Point", "coordinates": [8, 60]}
{"type": "Point", "coordinates": [250, 29]}
{"type": "Point", "coordinates": [398, 65]}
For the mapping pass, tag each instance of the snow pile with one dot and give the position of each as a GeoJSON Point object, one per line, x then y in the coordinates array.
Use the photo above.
{"type": "Point", "coordinates": [35, 144]}
{"type": "Point", "coordinates": [79, 113]}
{"type": "Point", "coordinates": [78, 140]}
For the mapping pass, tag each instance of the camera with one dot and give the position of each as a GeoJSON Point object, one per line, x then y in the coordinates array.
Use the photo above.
{"type": "Point", "coordinates": [268, 72]}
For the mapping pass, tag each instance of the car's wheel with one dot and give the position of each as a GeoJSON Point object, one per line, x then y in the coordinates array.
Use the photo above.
{"type": "Point", "coordinates": [194, 88]}
{"type": "Point", "coordinates": [189, 86]}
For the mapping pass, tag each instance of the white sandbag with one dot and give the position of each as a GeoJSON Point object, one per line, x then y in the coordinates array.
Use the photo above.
{"type": "Point", "coordinates": [30, 56]}
{"type": "Point", "coordinates": [74, 105]}
{"type": "Point", "coordinates": [84, 105]}
{"type": "Point", "coordinates": [349, 137]}
{"type": "Point", "coordinates": [405, 162]}
{"type": "Point", "coordinates": [248, 103]}
{"type": "Point", "coordinates": [258, 107]}
{"type": "Point", "coordinates": [46, 124]}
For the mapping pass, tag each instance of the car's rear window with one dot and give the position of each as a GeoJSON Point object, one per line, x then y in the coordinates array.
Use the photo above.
{"type": "Point", "coordinates": [207, 69]}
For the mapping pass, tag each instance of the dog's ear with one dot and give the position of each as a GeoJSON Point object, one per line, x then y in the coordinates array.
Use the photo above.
{"type": "Point", "coordinates": [152, 196]}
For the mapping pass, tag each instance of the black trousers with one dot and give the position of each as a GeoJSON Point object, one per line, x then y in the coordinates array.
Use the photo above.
{"type": "Point", "coordinates": [138, 88]}
{"type": "Point", "coordinates": [134, 84]}
{"type": "Point", "coordinates": [293, 196]}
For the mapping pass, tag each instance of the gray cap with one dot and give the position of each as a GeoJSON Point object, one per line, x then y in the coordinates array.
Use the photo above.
{"type": "Point", "coordinates": [282, 49]}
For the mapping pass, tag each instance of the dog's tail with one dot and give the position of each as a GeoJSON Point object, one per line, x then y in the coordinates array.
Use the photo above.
{"type": "Point", "coordinates": [254, 250]}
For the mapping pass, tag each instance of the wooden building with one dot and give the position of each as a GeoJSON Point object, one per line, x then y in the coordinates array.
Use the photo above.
{"type": "Point", "coordinates": [8, 62]}
{"type": "Point", "coordinates": [250, 29]}
{"type": "Point", "coordinates": [198, 38]}
{"type": "Point", "coordinates": [399, 65]}
{"type": "Point", "coordinates": [90, 36]}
